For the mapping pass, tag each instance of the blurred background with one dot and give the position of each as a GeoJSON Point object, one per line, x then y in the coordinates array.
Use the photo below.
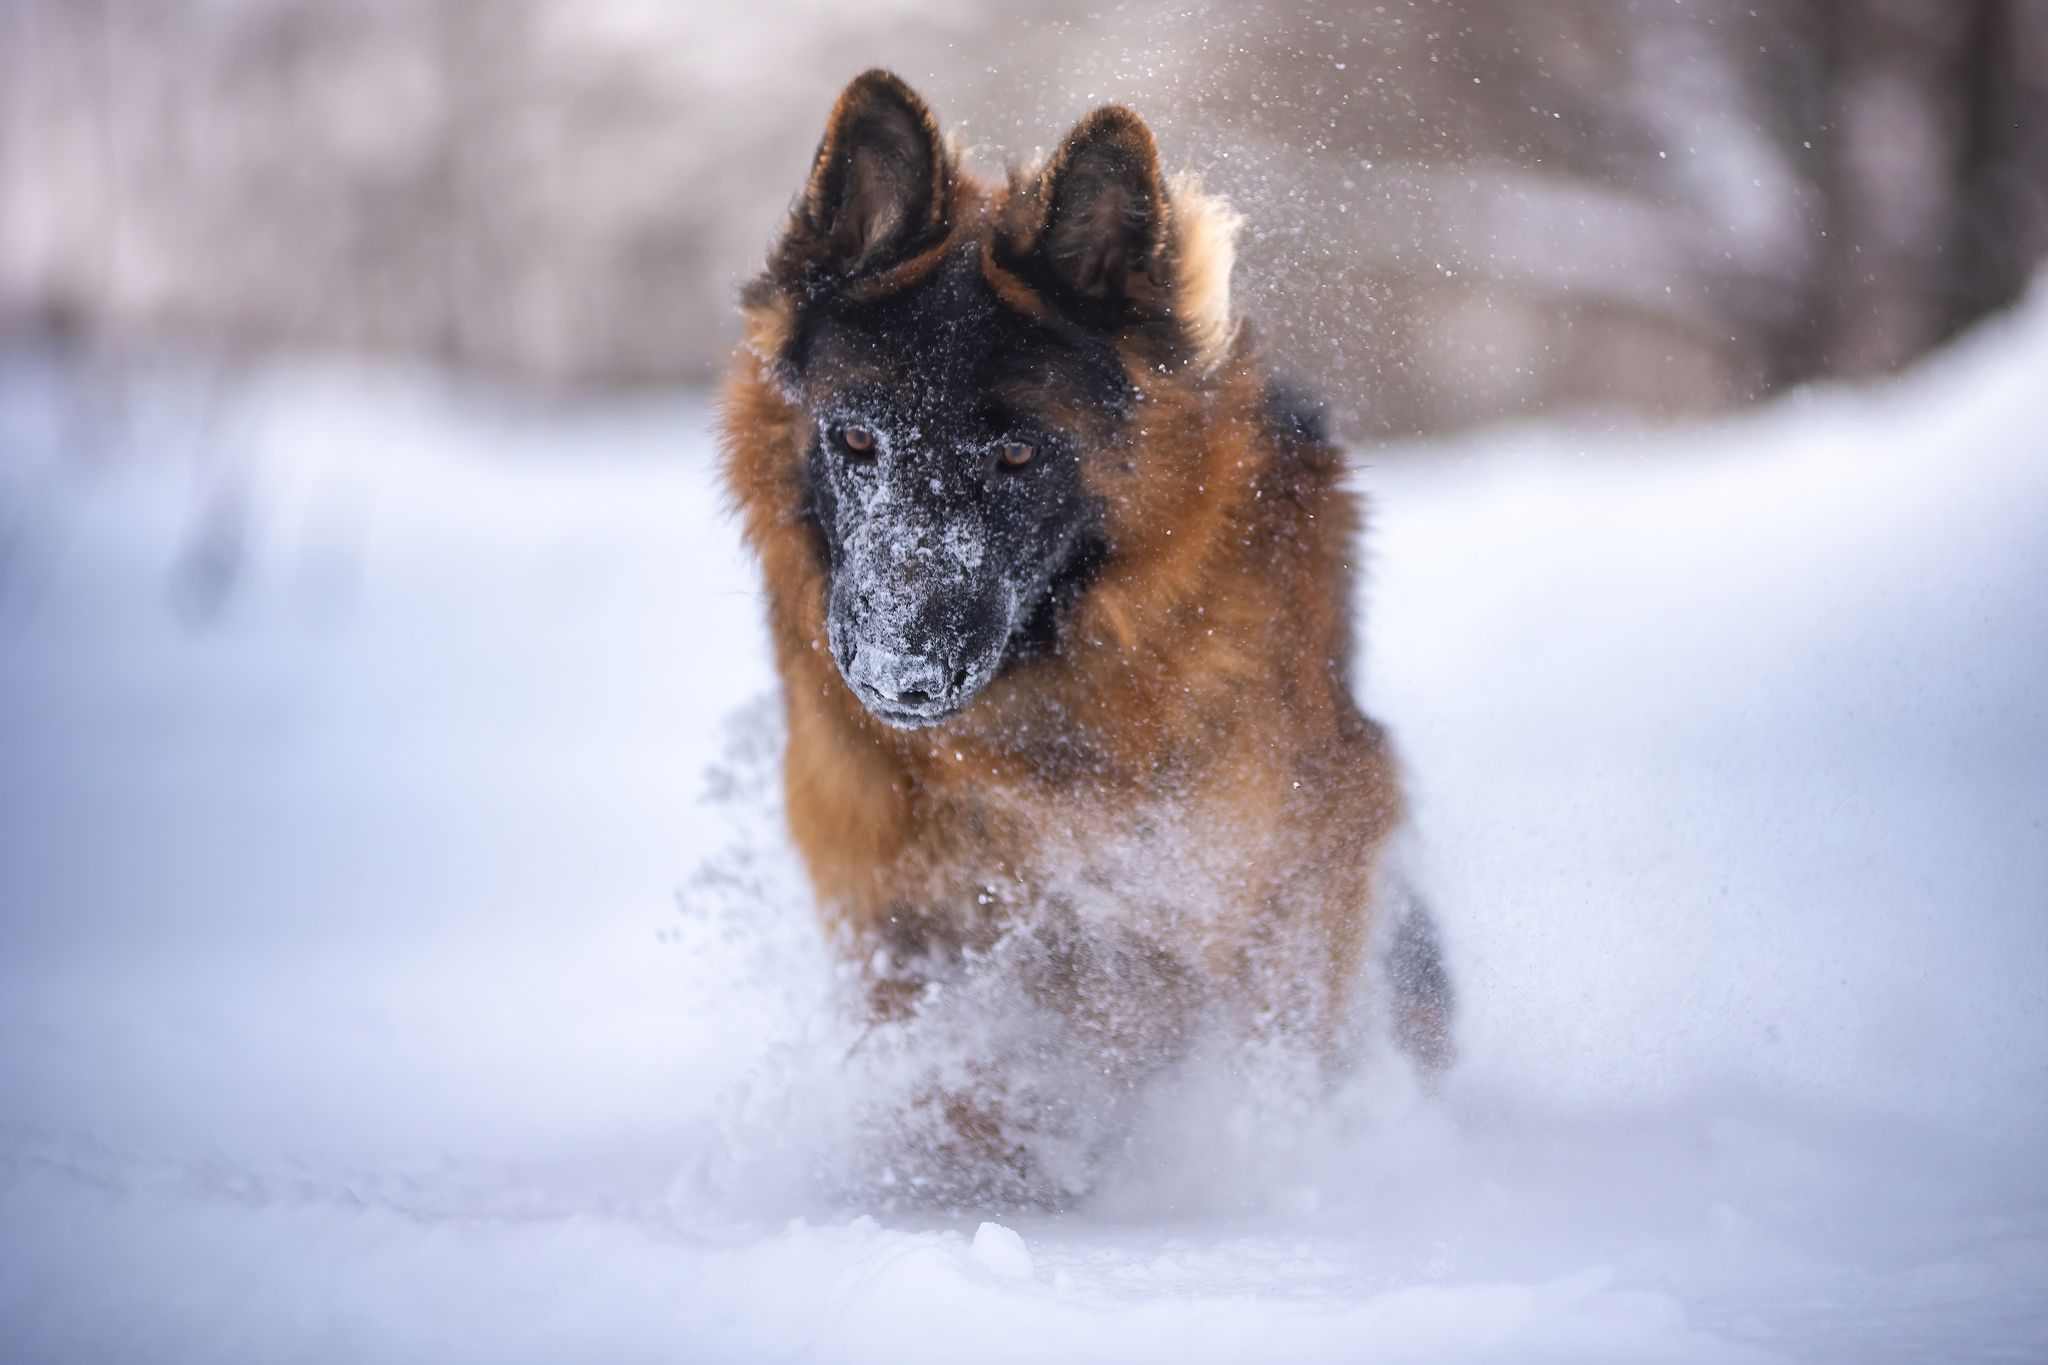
{"type": "Point", "coordinates": [1458, 211]}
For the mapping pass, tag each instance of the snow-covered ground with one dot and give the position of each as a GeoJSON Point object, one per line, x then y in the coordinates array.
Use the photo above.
{"type": "Point", "coordinates": [381, 979]}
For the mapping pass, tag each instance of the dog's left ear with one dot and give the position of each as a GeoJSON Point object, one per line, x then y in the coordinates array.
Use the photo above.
{"type": "Point", "coordinates": [1102, 233]}
{"type": "Point", "coordinates": [1093, 222]}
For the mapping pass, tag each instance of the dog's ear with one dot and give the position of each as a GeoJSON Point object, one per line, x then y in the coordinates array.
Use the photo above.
{"type": "Point", "coordinates": [1093, 221]}
{"type": "Point", "coordinates": [1102, 234]}
{"type": "Point", "coordinates": [879, 189]}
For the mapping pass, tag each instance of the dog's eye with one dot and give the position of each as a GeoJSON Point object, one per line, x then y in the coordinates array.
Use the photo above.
{"type": "Point", "coordinates": [1017, 454]}
{"type": "Point", "coordinates": [858, 439]}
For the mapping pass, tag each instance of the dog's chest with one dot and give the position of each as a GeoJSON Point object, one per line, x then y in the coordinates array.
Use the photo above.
{"type": "Point", "coordinates": [1158, 864]}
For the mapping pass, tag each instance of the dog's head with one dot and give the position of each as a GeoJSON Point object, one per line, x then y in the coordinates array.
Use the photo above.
{"type": "Point", "coordinates": [960, 356]}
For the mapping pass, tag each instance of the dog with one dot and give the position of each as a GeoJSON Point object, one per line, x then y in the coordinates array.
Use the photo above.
{"type": "Point", "coordinates": [1058, 582]}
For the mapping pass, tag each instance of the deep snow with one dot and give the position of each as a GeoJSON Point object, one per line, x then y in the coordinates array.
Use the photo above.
{"type": "Point", "coordinates": [381, 978]}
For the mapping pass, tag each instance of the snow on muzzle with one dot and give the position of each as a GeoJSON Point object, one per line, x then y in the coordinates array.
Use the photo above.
{"type": "Point", "coordinates": [920, 616]}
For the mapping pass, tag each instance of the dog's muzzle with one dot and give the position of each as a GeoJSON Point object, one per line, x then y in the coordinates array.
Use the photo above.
{"type": "Point", "coordinates": [918, 672]}
{"type": "Point", "coordinates": [908, 690]}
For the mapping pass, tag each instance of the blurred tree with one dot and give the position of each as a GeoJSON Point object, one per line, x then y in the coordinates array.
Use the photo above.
{"type": "Point", "coordinates": [1458, 209]}
{"type": "Point", "coordinates": [1936, 137]}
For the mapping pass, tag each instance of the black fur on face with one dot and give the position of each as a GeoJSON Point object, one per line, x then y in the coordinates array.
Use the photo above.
{"type": "Point", "coordinates": [945, 478]}
{"type": "Point", "coordinates": [950, 420]}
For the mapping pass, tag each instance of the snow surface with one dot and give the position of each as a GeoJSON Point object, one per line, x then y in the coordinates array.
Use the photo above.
{"type": "Point", "coordinates": [382, 979]}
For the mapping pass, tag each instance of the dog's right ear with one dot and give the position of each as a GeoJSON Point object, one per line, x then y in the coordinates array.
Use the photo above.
{"type": "Point", "coordinates": [879, 189]}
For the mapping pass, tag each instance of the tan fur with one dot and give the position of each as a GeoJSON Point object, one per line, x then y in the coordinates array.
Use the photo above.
{"type": "Point", "coordinates": [1188, 767]}
{"type": "Point", "coordinates": [1203, 239]}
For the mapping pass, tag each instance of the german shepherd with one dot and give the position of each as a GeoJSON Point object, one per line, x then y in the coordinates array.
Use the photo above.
{"type": "Point", "coordinates": [1059, 589]}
